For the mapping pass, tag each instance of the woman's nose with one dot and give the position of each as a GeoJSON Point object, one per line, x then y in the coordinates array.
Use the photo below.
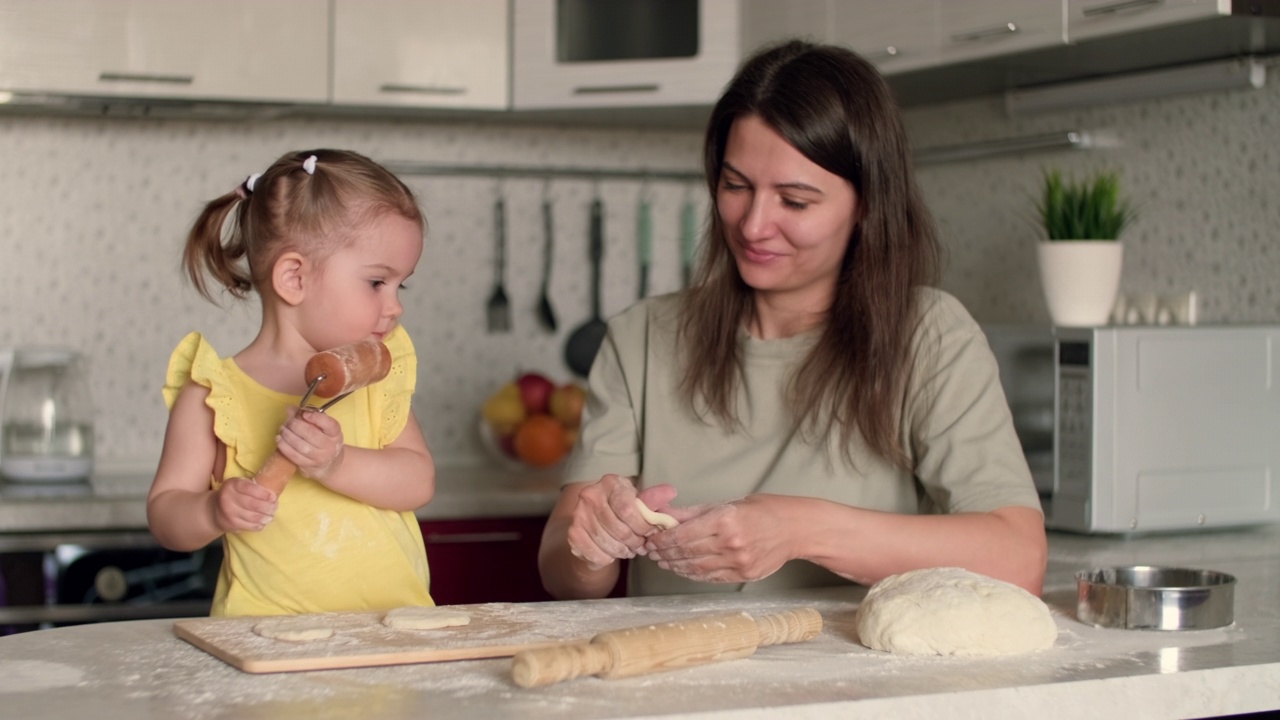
{"type": "Point", "coordinates": [758, 221]}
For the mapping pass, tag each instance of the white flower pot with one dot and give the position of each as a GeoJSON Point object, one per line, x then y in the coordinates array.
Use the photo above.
{"type": "Point", "coordinates": [1080, 280]}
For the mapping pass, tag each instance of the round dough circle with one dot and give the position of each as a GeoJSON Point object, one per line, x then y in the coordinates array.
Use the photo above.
{"type": "Point", "coordinates": [294, 629]}
{"type": "Point", "coordinates": [952, 611]}
{"type": "Point", "coordinates": [424, 618]}
{"type": "Point", "coordinates": [662, 520]}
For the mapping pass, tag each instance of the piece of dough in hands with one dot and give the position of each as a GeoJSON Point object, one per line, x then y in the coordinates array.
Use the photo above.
{"type": "Point", "coordinates": [294, 629]}
{"type": "Point", "coordinates": [662, 520]}
{"type": "Point", "coordinates": [952, 611]}
{"type": "Point", "coordinates": [424, 618]}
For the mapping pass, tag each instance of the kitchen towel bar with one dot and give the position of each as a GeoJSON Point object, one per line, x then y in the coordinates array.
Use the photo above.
{"type": "Point", "coordinates": [1064, 140]}
{"type": "Point", "coordinates": [517, 171]}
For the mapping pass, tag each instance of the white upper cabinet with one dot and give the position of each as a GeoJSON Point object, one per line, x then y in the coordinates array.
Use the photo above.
{"type": "Point", "coordinates": [905, 38]}
{"type": "Point", "coordinates": [622, 53]}
{"type": "Point", "coordinates": [985, 28]}
{"type": "Point", "coordinates": [216, 49]}
{"type": "Point", "coordinates": [1096, 18]}
{"type": "Point", "coordinates": [435, 53]}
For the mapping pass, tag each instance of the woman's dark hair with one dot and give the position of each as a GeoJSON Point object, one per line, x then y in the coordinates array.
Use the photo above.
{"type": "Point", "coordinates": [288, 208]}
{"type": "Point", "coordinates": [836, 109]}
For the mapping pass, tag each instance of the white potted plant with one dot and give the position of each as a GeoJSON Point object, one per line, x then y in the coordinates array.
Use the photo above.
{"type": "Point", "coordinates": [1080, 255]}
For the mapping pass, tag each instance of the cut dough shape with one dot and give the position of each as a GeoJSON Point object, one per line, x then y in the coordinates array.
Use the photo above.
{"type": "Point", "coordinates": [952, 611]}
{"type": "Point", "coordinates": [294, 629]}
{"type": "Point", "coordinates": [662, 520]}
{"type": "Point", "coordinates": [424, 618]}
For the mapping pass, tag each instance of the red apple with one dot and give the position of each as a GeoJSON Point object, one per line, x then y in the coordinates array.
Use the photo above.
{"type": "Point", "coordinates": [535, 391]}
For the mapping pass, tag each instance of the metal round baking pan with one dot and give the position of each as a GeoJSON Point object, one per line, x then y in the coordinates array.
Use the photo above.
{"type": "Point", "coordinates": [1142, 597]}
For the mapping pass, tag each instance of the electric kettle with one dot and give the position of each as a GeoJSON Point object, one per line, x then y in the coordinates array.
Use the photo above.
{"type": "Point", "coordinates": [46, 416]}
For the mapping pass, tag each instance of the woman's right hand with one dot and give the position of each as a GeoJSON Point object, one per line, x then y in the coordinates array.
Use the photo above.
{"type": "Point", "coordinates": [243, 505]}
{"type": "Point", "coordinates": [606, 526]}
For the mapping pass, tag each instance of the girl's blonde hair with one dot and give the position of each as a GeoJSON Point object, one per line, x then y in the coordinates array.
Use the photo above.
{"type": "Point", "coordinates": [287, 208]}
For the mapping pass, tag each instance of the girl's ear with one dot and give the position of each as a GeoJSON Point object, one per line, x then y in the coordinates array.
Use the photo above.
{"type": "Point", "coordinates": [289, 277]}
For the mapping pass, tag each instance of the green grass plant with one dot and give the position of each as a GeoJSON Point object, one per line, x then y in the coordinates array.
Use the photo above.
{"type": "Point", "coordinates": [1091, 209]}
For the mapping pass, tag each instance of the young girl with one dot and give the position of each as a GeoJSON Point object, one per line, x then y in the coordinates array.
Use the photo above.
{"type": "Point", "coordinates": [325, 238]}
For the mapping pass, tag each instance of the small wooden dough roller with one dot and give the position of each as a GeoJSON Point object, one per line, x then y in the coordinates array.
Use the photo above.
{"type": "Point", "coordinates": [332, 374]}
{"type": "Point", "coordinates": [669, 646]}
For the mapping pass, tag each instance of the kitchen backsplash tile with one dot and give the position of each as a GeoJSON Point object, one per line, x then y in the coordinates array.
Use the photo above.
{"type": "Point", "coordinates": [93, 214]}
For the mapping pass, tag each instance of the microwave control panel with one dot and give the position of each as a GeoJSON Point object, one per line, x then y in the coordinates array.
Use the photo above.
{"type": "Point", "coordinates": [1074, 420]}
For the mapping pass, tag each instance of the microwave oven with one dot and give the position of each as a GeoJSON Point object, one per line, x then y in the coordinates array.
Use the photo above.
{"type": "Point", "coordinates": [1134, 429]}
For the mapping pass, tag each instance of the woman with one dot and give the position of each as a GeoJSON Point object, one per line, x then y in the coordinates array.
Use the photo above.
{"type": "Point", "coordinates": [821, 412]}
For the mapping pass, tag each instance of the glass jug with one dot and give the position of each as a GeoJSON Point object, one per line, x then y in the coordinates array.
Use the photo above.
{"type": "Point", "coordinates": [46, 416]}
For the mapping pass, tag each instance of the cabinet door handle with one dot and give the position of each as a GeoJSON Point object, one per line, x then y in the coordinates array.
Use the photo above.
{"type": "Point", "coordinates": [1119, 7]}
{"type": "Point", "coordinates": [475, 537]}
{"type": "Point", "coordinates": [146, 77]}
{"type": "Point", "coordinates": [986, 33]}
{"type": "Point", "coordinates": [422, 89]}
{"type": "Point", "coordinates": [607, 89]}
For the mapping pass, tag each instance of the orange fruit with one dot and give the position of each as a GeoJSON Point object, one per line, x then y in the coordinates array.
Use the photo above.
{"type": "Point", "coordinates": [540, 441]}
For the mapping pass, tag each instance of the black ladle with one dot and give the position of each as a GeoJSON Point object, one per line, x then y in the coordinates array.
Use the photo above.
{"type": "Point", "coordinates": [580, 350]}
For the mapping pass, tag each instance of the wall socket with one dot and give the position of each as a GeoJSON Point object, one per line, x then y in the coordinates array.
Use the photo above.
{"type": "Point", "coordinates": [1154, 309]}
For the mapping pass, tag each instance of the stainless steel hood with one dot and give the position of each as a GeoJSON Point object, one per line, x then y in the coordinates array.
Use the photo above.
{"type": "Point", "coordinates": [1252, 29]}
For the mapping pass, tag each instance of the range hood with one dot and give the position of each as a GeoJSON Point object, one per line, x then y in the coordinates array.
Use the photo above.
{"type": "Point", "coordinates": [140, 107]}
{"type": "Point", "coordinates": [1251, 30]}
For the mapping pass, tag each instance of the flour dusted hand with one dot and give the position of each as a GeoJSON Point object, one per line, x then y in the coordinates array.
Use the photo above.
{"type": "Point", "coordinates": [952, 611]}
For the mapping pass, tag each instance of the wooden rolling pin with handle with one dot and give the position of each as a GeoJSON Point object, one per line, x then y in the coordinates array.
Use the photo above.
{"type": "Point", "coordinates": [332, 374]}
{"type": "Point", "coordinates": [669, 646]}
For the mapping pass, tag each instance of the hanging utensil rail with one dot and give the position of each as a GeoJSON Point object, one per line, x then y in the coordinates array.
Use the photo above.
{"type": "Point", "coordinates": [517, 171]}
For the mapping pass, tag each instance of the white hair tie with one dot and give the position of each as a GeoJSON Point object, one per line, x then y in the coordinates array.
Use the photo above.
{"type": "Point", "coordinates": [310, 165]}
{"type": "Point", "coordinates": [250, 181]}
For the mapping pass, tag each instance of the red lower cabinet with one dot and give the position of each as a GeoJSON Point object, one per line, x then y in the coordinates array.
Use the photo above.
{"type": "Point", "coordinates": [487, 560]}
{"type": "Point", "coordinates": [484, 560]}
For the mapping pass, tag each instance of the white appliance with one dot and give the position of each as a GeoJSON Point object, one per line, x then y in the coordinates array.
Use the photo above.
{"type": "Point", "coordinates": [1154, 428]}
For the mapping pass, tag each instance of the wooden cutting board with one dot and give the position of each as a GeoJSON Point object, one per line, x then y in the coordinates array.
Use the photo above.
{"type": "Point", "coordinates": [361, 640]}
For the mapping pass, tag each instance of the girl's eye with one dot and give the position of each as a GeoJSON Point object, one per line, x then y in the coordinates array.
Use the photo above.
{"type": "Point", "coordinates": [403, 286]}
{"type": "Point", "coordinates": [731, 186]}
{"type": "Point", "coordinates": [375, 284]}
{"type": "Point", "coordinates": [794, 204]}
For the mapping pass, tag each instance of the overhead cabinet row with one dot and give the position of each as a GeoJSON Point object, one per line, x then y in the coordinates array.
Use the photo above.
{"type": "Point", "coordinates": [507, 54]}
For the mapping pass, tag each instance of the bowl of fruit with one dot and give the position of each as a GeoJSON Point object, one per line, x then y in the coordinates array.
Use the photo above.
{"type": "Point", "coordinates": [531, 423]}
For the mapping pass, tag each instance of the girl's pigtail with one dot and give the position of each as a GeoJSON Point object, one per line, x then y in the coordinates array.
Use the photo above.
{"type": "Point", "coordinates": [205, 251]}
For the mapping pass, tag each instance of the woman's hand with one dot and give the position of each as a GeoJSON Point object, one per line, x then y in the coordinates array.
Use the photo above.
{"type": "Point", "coordinates": [312, 441]}
{"type": "Point", "coordinates": [606, 526]}
{"type": "Point", "coordinates": [741, 541]}
{"type": "Point", "coordinates": [243, 505]}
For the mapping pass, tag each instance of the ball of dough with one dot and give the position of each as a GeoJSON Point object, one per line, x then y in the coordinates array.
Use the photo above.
{"type": "Point", "coordinates": [952, 611]}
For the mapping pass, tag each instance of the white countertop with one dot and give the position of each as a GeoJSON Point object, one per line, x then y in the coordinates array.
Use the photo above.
{"type": "Point", "coordinates": [118, 502]}
{"type": "Point", "coordinates": [140, 670]}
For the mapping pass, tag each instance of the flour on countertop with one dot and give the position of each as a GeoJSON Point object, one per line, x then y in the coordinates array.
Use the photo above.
{"type": "Point", "coordinates": [36, 675]}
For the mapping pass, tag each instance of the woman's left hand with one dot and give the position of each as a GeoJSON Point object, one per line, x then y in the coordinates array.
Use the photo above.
{"type": "Point", "coordinates": [312, 441]}
{"type": "Point", "coordinates": [741, 541]}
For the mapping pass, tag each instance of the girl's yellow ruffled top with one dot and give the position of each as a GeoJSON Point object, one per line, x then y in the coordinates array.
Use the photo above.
{"type": "Point", "coordinates": [323, 551]}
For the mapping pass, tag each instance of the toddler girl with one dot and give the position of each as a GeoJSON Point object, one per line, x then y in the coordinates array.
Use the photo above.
{"type": "Point", "coordinates": [325, 238]}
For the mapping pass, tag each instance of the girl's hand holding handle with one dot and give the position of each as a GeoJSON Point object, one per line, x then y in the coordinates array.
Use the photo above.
{"type": "Point", "coordinates": [313, 441]}
{"type": "Point", "coordinates": [243, 505]}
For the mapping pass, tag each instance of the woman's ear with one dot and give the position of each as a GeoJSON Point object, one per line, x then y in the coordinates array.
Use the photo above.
{"type": "Point", "coordinates": [289, 277]}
